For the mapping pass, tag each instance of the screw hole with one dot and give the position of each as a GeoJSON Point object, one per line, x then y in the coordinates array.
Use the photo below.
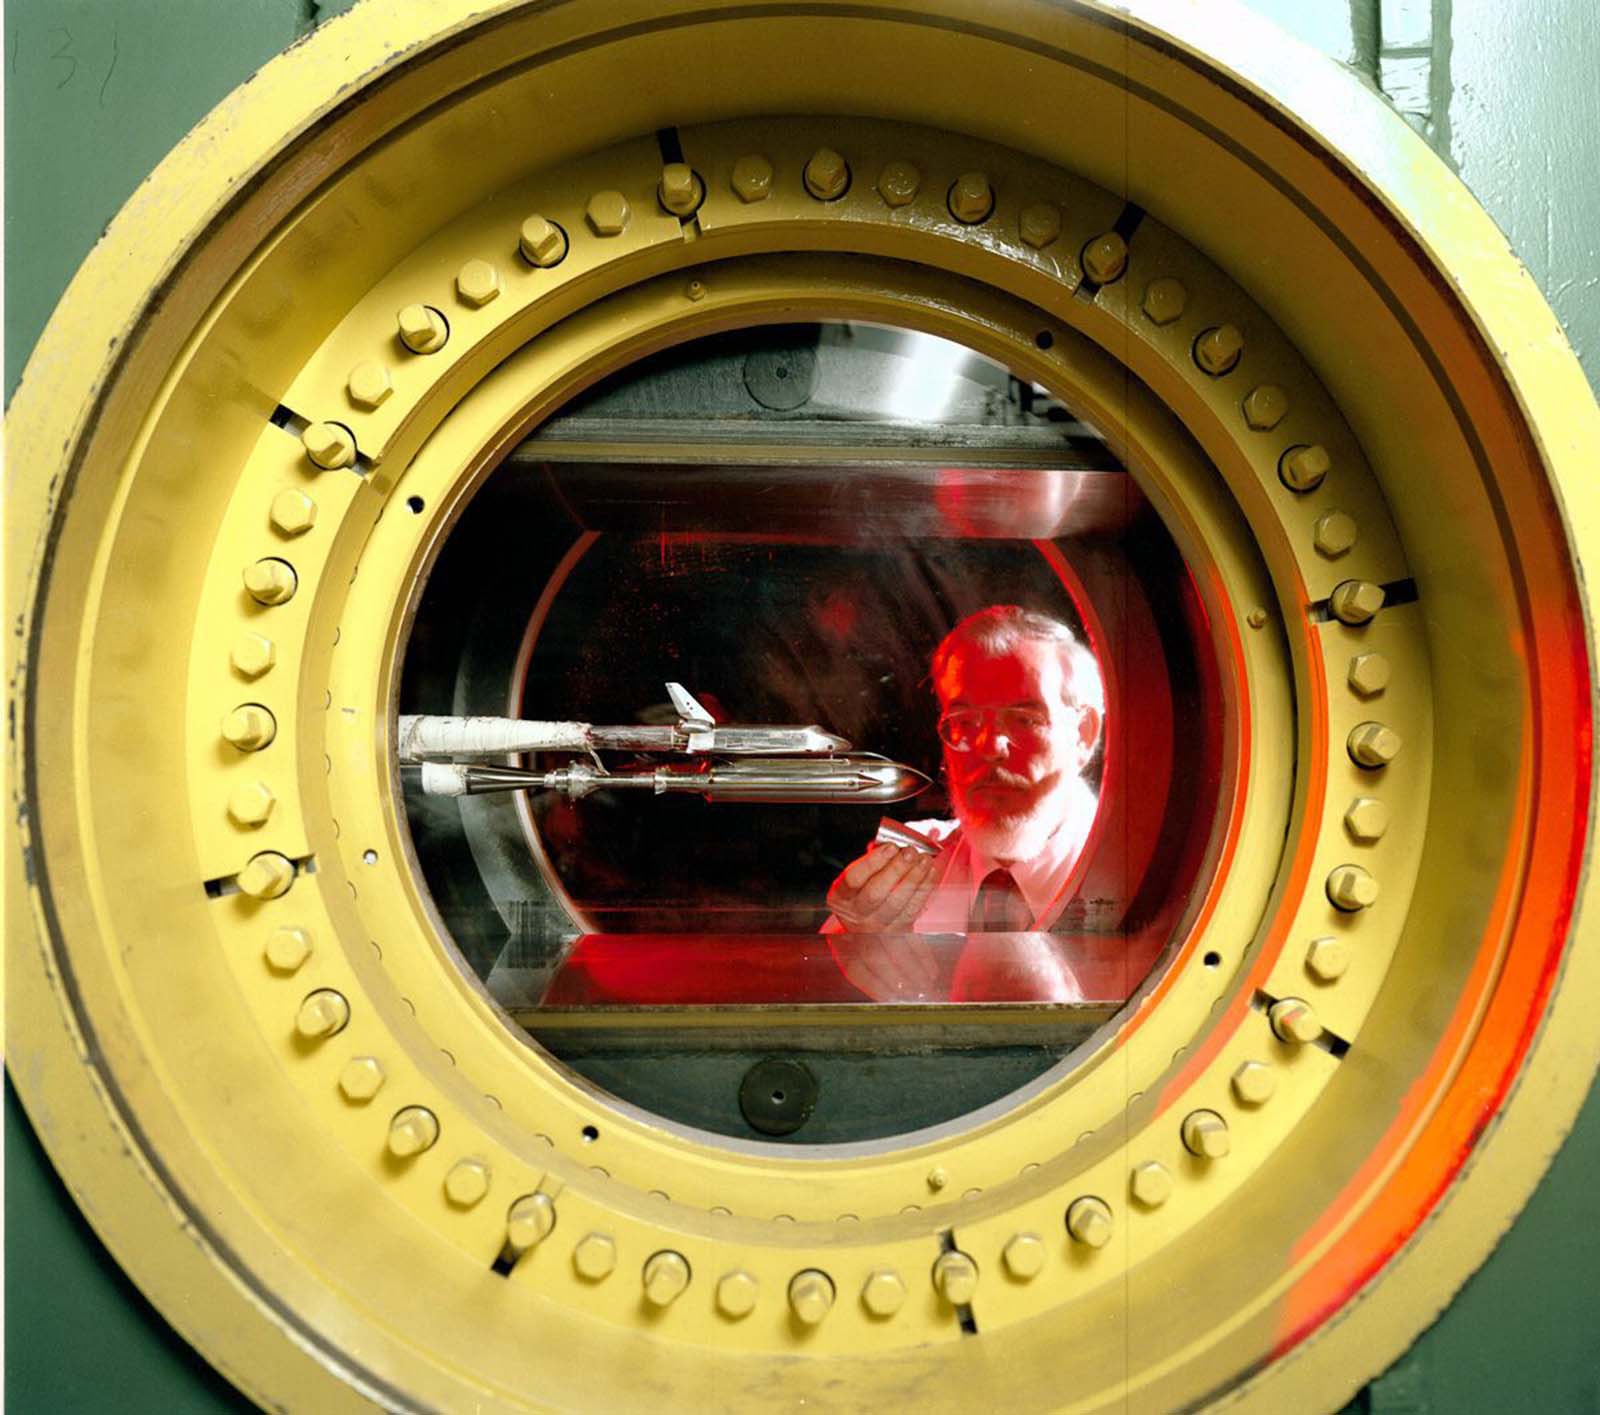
{"type": "Point", "coordinates": [370, 856]}
{"type": "Point", "coordinates": [1044, 339]}
{"type": "Point", "coordinates": [777, 1098]}
{"type": "Point", "coordinates": [590, 1134]}
{"type": "Point", "coordinates": [1213, 960]}
{"type": "Point", "coordinates": [414, 504]}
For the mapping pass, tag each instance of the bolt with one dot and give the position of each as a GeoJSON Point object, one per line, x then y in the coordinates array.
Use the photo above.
{"type": "Point", "coordinates": [1354, 602]}
{"type": "Point", "coordinates": [1293, 1021]}
{"type": "Point", "coordinates": [1254, 1082]}
{"type": "Point", "coordinates": [1333, 533]}
{"type": "Point", "coordinates": [1351, 888]}
{"type": "Point", "coordinates": [971, 198]}
{"type": "Point", "coordinates": [695, 289]}
{"type": "Point", "coordinates": [271, 581]}
{"type": "Point", "coordinates": [253, 654]}
{"type": "Point", "coordinates": [1205, 1133]}
{"type": "Point", "coordinates": [529, 1221]}
{"type": "Point", "coordinates": [1373, 745]}
{"type": "Point", "coordinates": [595, 1256]}
{"type": "Point", "coordinates": [478, 282]}
{"type": "Point", "coordinates": [422, 329]}
{"type": "Point", "coordinates": [1105, 258]}
{"type": "Point", "coordinates": [542, 242]}
{"type": "Point", "coordinates": [466, 1183]}
{"type": "Point", "coordinates": [368, 384]}
{"type": "Point", "coordinates": [810, 1295]}
{"type": "Point", "coordinates": [251, 803]}
{"type": "Point", "coordinates": [322, 1014]}
{"type": "Point", "coordinates": [1218, 349]}
{"type": "Point", "coordinates": [1256, 618]}
{"type": "Point", "coordinates": [736, 1293]}
{"type": "Point", "coordinates": [1024, 1256]}
{"type": "Point", "coordinates": [1303, 466]}
{"type": "Point", "coordinates": [329, 445]}
{"type": "Point", "coordinates": [607, 213]}
{"type": "Point", "coordinates": [1164, 300]}
{"type": "Point", "coordinates": [1151, 1184]}
{"type": "Point", "coordinates": [267, 876]}
{"type": "Point", "coordinates": [287, 948]}
{"type": "Point", "coordinates": [1265, 407]}
{"type": "Point", "coordinates": [414, 1129]}
{"type": "Point", "coordinates": [899, 183]}
{"type": "Point", "coordinates": [666, 1275]}
{"type": "Point", "coordinates": [681, 192]}
{"type": "Point", "coordinates": [1040, 224]}
{"type": "Point", "coordinates": [1327, 959]}
{"type": "Point", "coordinates": [293, 512]}
{"type": "Point", "coordinates": [883, 1293]}
{"type": "Point", "coordinates": [938, 1177]}
{"type": "Point", "coordinates": [1369, 674]}
{"type": "Point", "coordinates": [361, 1079]}
{"type": "Point", "coordinates": [827, 175]}
{"type": "Point", "coordinates": [956, 1277]}
{"type": "Point", "coordinates": [249, 728]}
{"type": "Point", "coordinates": [1367, 819]}
{"type": "Point", "coordinates": [1089, 1221]}
{"type": "Point", "coordinates": [752, 178]}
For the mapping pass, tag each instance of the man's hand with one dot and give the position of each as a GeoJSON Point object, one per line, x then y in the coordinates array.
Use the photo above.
{"type": "Point", "coordinates": [882, 893]}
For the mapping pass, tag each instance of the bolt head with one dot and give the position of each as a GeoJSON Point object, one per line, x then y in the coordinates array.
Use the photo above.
{"type": "Point", "coordinates": [607, 213]}
{"type": "Point", "coordinates": [368, 384]}
{"type": "Point", "coordinates": [1333, 533]}
{"type": "Point", "coordinates": [422, 329]}
{"type": "Point", "coordinates": [1327, 959]}
{"type": "Point", "coordinates": [542, 242]}
{"type": "Point", "coordinates": [1265, 407]}
{"type": "Point", "coordinates": [287, 948]}
{"type": "Point", "coordinates": [1351, 888]}
{"type": "Point", "coordinates": [883, 1293]}
{"type": "Point", "coordinates": [413, 1130]}
{"type": "Point", "coordinates": [1089, 1221]}
{"type": "Point", "coordinates": [681, 192]}
{"type": "Point", "coordinates": [1105, 258]}
{"type": "Point", "coordinates": [810, 1295]}
{"type": "Point", "coordinates": [971, 198]}
{"type": "Point", "coordinates": [1369, 674]}
{"type": "Point", "coordinates": [1151, 1184]}
{"type": "Point", "coordinates": [249, 728]}
{"type": "Point", "coordinates": [899, 183]}
{"type": "Point", "coordinates": [1205, 1133]}
{"type": "Point", "coordinates": [293, 512]}
{"type": "Point", "coordinates": [322, 1014]}
{"type": "Point", "coordinates": [1024, 1256]}
{"type": "Point", "coordinates": [1367, 819]}
{"type": "Point", "coordinates": [827, 175]}
{"type": "Point", "coordinates": [666, 1276]}
{"type": "Point", "coordinates": [1254, 1082]}
{"type": "Point", "coordinates": [752, 178]}
{"type": "Point", "coordinates": [956, 1277]}
{"type": "Point", "coordinates": [361, 1079]}
{"type": "Point", "coordinates": [1293, 1020]}
{"type": "Point", "coordinates": [938, 1177]}
{"type": "Point", "coordinates": [329, 445]}
{"type": "Point", "coordinates": [1218, 349]}
{"type": "Point", "coordinates": [1164, 300]}
{"type": "Point", "coordinates": [477, 282]}
{"type": "Point", "coordinates": [595, 1256]}
{"type": "Point", "coordinates": [467, 1183]}
{"type": "Point", "coordinates": [1302, 468]}
{"type": "Point", "coordinates": [270, 581]}
{"type": "Point", "coordinates": [1355, 601]}
{"type": "Point", "coordinates": [267, 876]}
{"type": "Point", "coordinates": [530, 1220]}
{"type": "Point", "coordinates": [251, 804]}
{"type": "Point", "coordinates": [253, 654]}
{"type": "Point", "coordinates": [1373, 745]}
{"type": "Point", "coordinates": [1039, 225]}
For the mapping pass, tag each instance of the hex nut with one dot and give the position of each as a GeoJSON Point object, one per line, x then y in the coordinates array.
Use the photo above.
{"type": "Point", "coordinates": [1293, 1020]}
{"type": "Point", "coordinates": [467, 1183]}
{"type": "Point", "coordinates": [1327, 959]}
{"type": "Point", "coordinates": [666, 1276]}
{"type": "Point", "coordinates": [680, 191]}
{"type": "Point", "coordinates": [594, 1256]}
{"type": "Point", "coordinates": [1351, 888]}
{"type": "Point", "coordinates": [1024, 1256]}
{"type": "Point", "coordinates": [322, 1014]}
{"type": "Point", "coordinates": [1304, 466]}
{"type": "Point", "coordinates": [1354, 602]}
{"type": "Point", "coordinates": [1217, 350]}
{"type": "Point", "coordinates": [249, 727]}
{"type": "Point", "coordinates": [1205, 1134]}
{"type": "Point", "coordinates": [1265, 407]}
{"type": "Point", "coordinates": [530, 1220]}
{"type": "Point", "coordinates": [251, 803]}
{"type": "Point", "coordinates": [368, 384]}
{"type": "Point", "coordinates": [1089, 1221]}
{"type": "Point", "coordinates": [899, 183]}
{"type": "Point", "coordinates": [542, 242]}
{"type": "Point", "coordinates": [1368, 674]}
{"type": "Point", "coordinates": [414, 1129]}
{"type": "Point", "coordinates": [884, 1292]}
{"type": "Point", "coordinates": [752, 178]}
{"type": "Point", "coordinates": [971, 198]}
{"type": "Point", "coordinates": [607, 213]}
{"type": "Point", "coordinates": [811, 1295]}
{"type": "Point", "coordinates": [270, 581]}
{"type": "Point", "coordinates": [1372, 745]}
{"type": "Point", "coordinates": [266, 876]}
{"type": "Point", "coordinates": [287, 948]}
{"type": "Point", "coordinates": [422, 328]}
{"type": "Point", "coordinates": [478, 282]}
{"type": "Point", "coordinates": [1150, 1183]}
{"type": "Point", "coordinates": [1039, 225]}
{"type": "Point", "coordinates": [361, 1079]}
{"type": "Point", "coordinates": [1333, 533]}
{"type": "Point", "coordinates": [329, 446]}
{"type": "Point", "coordinates": [737, 1292]}
{"type": "Point", "coordinates": [1105, 258]}
{"type": "Point", "coordinates": [293, 512]}
{"type": "Point", "coordinates": [1164, 300]}
{"type": "Point", "coordinates": [252, 654]}
{"type": "Point", "coordinates": [955, 1275]}
{"type": "Point", "coordinates": [1367, 819]}
{"type": "Point", "coordinates": [827, 175]}
{"type": "Point", "coordinates": [1254, 1082]}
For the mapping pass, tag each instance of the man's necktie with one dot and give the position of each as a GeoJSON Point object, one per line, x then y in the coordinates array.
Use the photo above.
{"type": "Point", "coordinates": [1000, 907]}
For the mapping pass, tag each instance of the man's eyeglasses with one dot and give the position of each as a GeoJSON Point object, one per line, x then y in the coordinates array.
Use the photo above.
{"type": "Point", "coordinates": [959, 728]}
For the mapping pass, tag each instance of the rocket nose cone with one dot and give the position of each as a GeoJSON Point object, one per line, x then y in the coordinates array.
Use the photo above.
{"type": "Point", "coordinates": [894, 781]}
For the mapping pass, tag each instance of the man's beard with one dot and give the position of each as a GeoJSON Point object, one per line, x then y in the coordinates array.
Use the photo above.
{"type": "Point", "coordinates": [1001, 834]}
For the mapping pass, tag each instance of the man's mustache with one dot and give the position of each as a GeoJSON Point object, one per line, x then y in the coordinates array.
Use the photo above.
{"type": "Point", "coordinates": [999, 778]}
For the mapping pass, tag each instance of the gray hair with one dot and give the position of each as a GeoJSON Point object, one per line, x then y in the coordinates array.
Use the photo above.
{"type": "Point", "coordinates": [1002, 627]}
